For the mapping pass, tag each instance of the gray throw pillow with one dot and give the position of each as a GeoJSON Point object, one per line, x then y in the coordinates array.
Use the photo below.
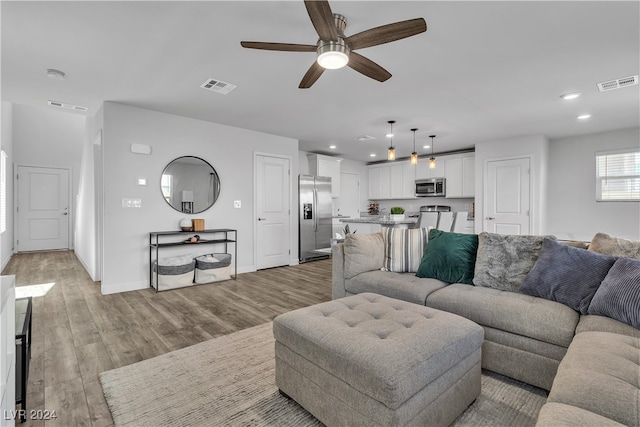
{"type": "Point", "coordinates": [618, 296]}
{"type": "Point", "coordinates": [568, 275]}
{"type": "Point", "coordinates": [362, 252]}
{"type": "Point", "coordinates": [504, 260]}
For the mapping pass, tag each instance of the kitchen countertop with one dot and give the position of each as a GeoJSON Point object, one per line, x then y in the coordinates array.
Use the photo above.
{"type": "Point", "coordinates": [379, 220]}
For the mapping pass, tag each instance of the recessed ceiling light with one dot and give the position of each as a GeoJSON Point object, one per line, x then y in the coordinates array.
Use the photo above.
{"type": "Point", "coordinates": [426, 146]}
{"type": "Point", "coordinates": [584, 116]}
{"type": "Point", "coordinates": [56, 74]}
{"type": "Point", "coordinates": [570, 96]}
{"type": "Point", "coordinates": [372, 155]}
{"type": "Point", "coordinates": [333, 147]}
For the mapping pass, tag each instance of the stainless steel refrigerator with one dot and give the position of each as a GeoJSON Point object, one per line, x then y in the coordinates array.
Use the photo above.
{"type": "Point", "coordinates": [315, 210]}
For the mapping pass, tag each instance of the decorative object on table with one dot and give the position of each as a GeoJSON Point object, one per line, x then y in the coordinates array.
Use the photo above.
{"type": "Point", "coordinates": [198, 224]}
{"type": "Point", "coordinates": [194, 239]}
{"type": "Point", "coordinates": [397, 213]}
{"type": "Point", "coordinates": [374, 208]}
{"type": "Point", "coordinates": [186, 224]}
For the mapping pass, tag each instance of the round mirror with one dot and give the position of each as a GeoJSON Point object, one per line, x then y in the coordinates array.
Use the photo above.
{"type": "Point", "coordinates": [190, 185]}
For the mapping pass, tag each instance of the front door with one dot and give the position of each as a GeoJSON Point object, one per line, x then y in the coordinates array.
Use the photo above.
{"type": "Point", "coordinates": [273, 220]}
{"type": "Point", "coordinates": [43, 208]}
{"type": "Point", "coordinates": [508, 197]}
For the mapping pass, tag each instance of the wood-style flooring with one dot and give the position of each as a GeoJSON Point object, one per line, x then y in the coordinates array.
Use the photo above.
{"type": "Point", "coordinates": [78, 333]}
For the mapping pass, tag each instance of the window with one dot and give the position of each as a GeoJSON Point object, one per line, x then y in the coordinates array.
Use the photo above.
{"type": "Point", "coordinates": [618, 176]}
{"type": "Point", "coordinates": [3, 191]}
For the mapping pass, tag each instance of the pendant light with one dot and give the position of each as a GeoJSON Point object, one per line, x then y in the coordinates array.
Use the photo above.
{"type": "Point", "coordinates": [432, 160]}
{"type": "Point", "coordinates": [414, 155]}
{"type": "Point", "coordinates": [391, 153]}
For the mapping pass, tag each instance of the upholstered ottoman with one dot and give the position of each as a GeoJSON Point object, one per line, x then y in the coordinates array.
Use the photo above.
{"type": "Point", "coordinates": [371, 360]}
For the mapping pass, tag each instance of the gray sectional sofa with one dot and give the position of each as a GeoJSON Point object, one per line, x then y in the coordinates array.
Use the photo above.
{"type": "Point", "coordinates": [589, 363]}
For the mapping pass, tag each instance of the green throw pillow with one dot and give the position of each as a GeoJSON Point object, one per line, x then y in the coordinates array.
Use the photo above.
{"type": "Point", "coordinates": [450, 257]}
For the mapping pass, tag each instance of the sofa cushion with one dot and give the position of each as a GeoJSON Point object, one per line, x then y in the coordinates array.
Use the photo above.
{"type": "Point", "coordinates": [402, 286]}
{"type": "Point", "coordinates": [593, 323]}
{"type": "Point", "coordinates": [362, 252]}
{"type": "Point", "coordinates": [600, 374]}
{"type": "Point", "coordinates": [504, 260]}
{"type": "Point", "coordinates": [449, 257]}
{"type": "Point", "coordinates": [560, 415]}
{"type": "Point", "coordinates": [403, 248]}
{"type": "Point", "coordinates": [619, 294]}
{"type": "Point", "coordinates": [608, 245]}
{"type": "Point", "coordinates": [566, 274]}
{"type": "Point", "coordinates": [513, 312]}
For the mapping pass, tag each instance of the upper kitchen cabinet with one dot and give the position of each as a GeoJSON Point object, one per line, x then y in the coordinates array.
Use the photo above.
{"type": "Point", "coordinates": [392, 181]}
{"type": "Point", "coordinates": [424, 172]}
{"type": "Point", "coordinates": [460, 176]}
{"type": "Point", "coordinates": [321, 165]}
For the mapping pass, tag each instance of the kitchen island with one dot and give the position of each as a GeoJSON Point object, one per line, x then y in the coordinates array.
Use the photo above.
{"type": "Point", "coordinates": [374, 223]}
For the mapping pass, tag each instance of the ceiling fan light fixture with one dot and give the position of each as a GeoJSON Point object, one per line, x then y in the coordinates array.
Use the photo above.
{"type": "Point", "coordinates": [332, 55]}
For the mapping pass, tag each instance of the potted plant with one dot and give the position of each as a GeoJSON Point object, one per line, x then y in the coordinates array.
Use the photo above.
{"type": "Point", "coordinates": [397, 213]}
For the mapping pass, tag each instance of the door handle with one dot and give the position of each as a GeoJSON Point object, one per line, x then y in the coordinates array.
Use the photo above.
{"type": "Point", "coordinates": [262, 219]}
{"type": "Point", "coordinates": [490, 218]}
{"type": "Point", "coordinates": [66, 213]}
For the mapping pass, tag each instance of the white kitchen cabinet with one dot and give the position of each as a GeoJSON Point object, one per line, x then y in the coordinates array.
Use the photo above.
{"type": "Point", "coordinates": [321, 165]}
{"type": "Point", "coordinates": [424, 172]}
{"type": "Point", "coordinates": [460, 176]}
{"type": "Point", "coordinates": [392, 181]}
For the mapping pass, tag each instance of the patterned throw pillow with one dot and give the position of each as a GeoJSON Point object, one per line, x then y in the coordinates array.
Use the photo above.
{"type": "Point", "coordinates": [618, 296]}
{"type": "Point", "coordinates": [567, 275]}
{"type": "Point", "coordinates": [504, 260]}
{"type": "Point", "coordinates": [403, 249]}
{"type": "Point", "coordinates": [602, 243]}
{"type": "Point", "coordinates": [449, 257]}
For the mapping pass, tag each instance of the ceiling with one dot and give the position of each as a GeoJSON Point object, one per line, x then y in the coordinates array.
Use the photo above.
{"type": "Point", "coordinates": [482, 71]}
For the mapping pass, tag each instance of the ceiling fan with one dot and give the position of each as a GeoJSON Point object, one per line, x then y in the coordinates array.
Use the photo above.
{"type": "Point", "coordinates": [335, 50]}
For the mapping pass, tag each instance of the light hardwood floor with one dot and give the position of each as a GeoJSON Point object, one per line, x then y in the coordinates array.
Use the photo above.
{"type": "Point", "coordinates": [78, 333]}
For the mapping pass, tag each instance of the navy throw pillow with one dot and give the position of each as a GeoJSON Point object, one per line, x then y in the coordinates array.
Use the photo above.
{"type": "Point", "coordinates": [618, 296]}
{"type": "Point", "coordinates": [568, 275]}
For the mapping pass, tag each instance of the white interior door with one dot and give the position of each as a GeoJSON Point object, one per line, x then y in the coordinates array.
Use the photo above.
{"type": "Point", "coordinates": [349, 201]}
{"type": "Point", "coordinates": [273, 211]}
{"type": "Point", "coordinates": [43, 208]}
{"type": "Point", "coordinates": [508, 197]}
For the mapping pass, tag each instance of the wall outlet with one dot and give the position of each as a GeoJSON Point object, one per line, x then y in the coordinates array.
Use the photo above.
{"type": "Point", "coordinates": [237, 204]}
{"type": "Point", "coordinates": [131, 203]}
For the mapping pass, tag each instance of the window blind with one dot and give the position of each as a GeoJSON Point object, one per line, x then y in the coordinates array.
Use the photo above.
{"type": "Point", "coordinates": [618, 176]}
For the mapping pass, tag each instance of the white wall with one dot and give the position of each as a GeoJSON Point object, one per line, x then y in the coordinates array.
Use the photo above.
{"type": "Point", "coordinates": [229, 150]}
{"type": "Point", "coordinates": [88, 213]}
{"type": "Point", "coordinates": [536, 148]}
{"type": "Point", "coordinates": [6, 139]}
{"type": "Point", "coordinates": [573, 212]}
{"type": "Point", "coordinates": [47, 137]}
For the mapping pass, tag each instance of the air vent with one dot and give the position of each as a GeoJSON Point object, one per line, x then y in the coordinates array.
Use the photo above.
{"type": "Point", "coordinates": [67, 106]}
{"type": "Point", "coordinates": [618, 83]}
{"type": "Point", "coordinates": [364, 138]}
{"type": "Point", "coordinates": [218, 86]}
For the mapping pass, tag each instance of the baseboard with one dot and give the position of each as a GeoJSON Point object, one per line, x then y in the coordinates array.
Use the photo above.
{"type": "Point", "coordinates": [247, 269]}
{"type": "Point", "coordinates": [123, 287]}
{"type": "Point", "coordinates": [86, 267]}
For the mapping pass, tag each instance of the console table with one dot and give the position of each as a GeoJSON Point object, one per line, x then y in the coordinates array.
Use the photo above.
{"type": "Point", "coordinates": [23, 351]}
{"type": "Point", "coordinates": [165, 239]}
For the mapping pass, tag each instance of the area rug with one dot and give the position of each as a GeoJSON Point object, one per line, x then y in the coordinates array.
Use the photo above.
{"type": "Point", "coordinates": [229, 381]}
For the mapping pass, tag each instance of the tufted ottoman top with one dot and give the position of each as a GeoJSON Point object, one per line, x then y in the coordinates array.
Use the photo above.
{"type": "Point", "coordinates": [385, 348]}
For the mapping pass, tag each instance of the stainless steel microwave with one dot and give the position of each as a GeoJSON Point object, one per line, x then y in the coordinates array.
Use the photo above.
{"type": "Point", "coordinates": [432, 187]}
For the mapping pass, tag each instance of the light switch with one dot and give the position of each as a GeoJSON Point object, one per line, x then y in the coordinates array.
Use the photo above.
{"type": "Point", "coordinates": [237, 204]}
{"type": "Point", "coordinates": [131, 203]}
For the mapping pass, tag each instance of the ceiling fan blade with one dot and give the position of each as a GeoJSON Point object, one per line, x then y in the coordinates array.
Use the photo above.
{"type": "Point", "coordinates": [368, 67]}
{"type": "Point", "coordinates": [313, 73]}
{"type": "Point", "coordinates": [322, 19]}
{"type": "Point", "coordinates": [285, 47]}
{"type": "Point", "coordinates": [387, 33]}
